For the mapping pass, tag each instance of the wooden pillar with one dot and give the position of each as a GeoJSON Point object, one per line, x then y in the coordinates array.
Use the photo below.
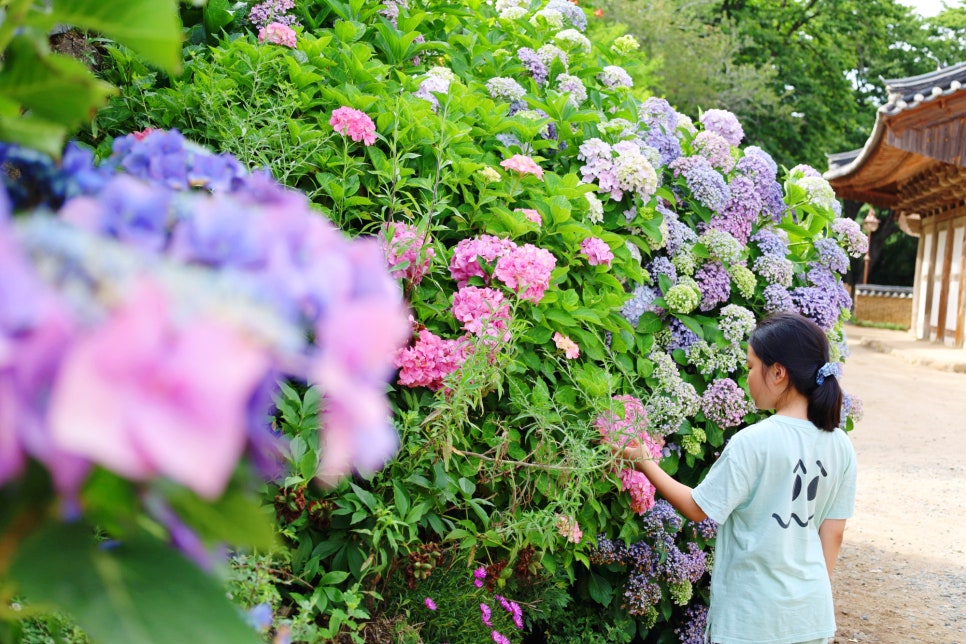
{"type": "Point", "coordinates": [961, 314]}
{"type": "Point", "coordinates": [944, 284]}
{"type": "Point", "coordinates": [933, 232]}
{"type": "Point", "coordinates": [918, 285]}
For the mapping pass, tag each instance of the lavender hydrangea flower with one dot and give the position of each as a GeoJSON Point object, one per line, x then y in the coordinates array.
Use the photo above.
{"type": "Point", "coordinates": [567, 84]}
{"type": "Point", "coordinates": [724, 123]}
{"type": "Point", "coordinates": [265, 13]}
{"type": "Point", "coordinates": [831, 255]}
{"type": "Point", "coordinates": [640, 302]}
{"type": "Point", "coordinates": [570, 12]}
{"type": "Point", "coordinates": [805, 170]}
{"type": "Point", "coordinates": [850, 235]}
{"type": "Point", "coordinates": [550, 53]}
{"type": "Point", "coordinates": [706, 184]}
{"type": "Point", "coordinates": [771, 241]}
{"type": "Point", "coordinates": [613, 77]}
{"type": "Point", "coordinates": [437, 81]}
{"type": "Point", "coordinates": [661, 265]}
{"type": "Point", "coordinates": [715, 149]}
{"type": "Point", "coordinates": [678, 235]}
{"type": "Point", "coordinates": [774, 270]}
{"type": "Point", "coordinates": [533, 64]}
{"type": "Point", "coordinates": [757, 152]}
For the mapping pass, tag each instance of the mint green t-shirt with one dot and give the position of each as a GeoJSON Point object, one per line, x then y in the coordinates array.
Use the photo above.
{"type": "Point", "coordinates": [770, 490]}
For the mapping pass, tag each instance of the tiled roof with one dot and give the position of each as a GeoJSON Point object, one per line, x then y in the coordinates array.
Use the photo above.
{"type": "Point", "coordinates": [906, 93]}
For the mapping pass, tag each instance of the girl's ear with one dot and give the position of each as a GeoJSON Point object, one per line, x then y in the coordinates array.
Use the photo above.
{"type": "Point", "coordinates": [780, 373]}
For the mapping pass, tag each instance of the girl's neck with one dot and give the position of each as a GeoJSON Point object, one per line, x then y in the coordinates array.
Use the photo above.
{"type": "Point", "coordinates": [793, 404]}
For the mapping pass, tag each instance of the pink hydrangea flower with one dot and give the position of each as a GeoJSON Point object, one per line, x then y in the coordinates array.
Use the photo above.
{"type": "Point", "coordinates": [465, 261]}
{"type": "Point", "coordinates": [483, 311]}
{"type": "Point", "coordinates": [144, 397]}
{"type": "Point", "coordinates": [408, 253]}
{"type": "Point", "coordinates": [354, 124]}
{"type": "Point", "coordinates": [569, 528]}
{"type": "Point", "coordinates": [277, 34]}
{"type": "Point", "coordinates": [524, 165]}
{"type": "Point", "coordinates": [430, 360]}
{"type": "Point", "coordinates": [526, 270]}
{"type": "Point", "coordinates": [640, 488]}
{"type": "Point", "coordinates": [597, 251]}
{"type": "Point", "coordinates": [568, 346]}
{"type": "Point", "coordinates": [531, 215]}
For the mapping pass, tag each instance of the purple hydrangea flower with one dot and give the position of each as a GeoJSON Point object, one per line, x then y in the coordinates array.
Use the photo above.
{"type": "Point", "coordinates": [725, 403]}
{"type": "Point", "coordinates": [777, 299]}
{"type": "Point", "coordinates": [817, 304]}
{"type": "Point", "coordinates": [695, 624]}
{"type": "Point", "coordinates": [715, 149]}
{"type": "Point", "coordinates": [533, 64]}
{"type": "Point", "coordinates": [771, 242]}
{"type": "Point", "coordinates": [571, 13]}
{"type": "Point", "coordinates": [831, 255]}
{"type": "Point", "coordinates": [725, 124]}
{"type": "Point", "coordinates": [706, 184]}
{"type": "Point", "coordinates": [715, 284]}
{"type": "Point", "coordinates": [741, 211]}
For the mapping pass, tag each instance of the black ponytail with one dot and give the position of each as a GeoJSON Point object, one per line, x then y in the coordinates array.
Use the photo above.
{"type": "Point", "coordinates": [800, 345]}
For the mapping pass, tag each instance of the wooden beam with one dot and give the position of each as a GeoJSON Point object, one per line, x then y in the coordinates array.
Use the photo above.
{"type": "Point", "coordinates": [944, 284]}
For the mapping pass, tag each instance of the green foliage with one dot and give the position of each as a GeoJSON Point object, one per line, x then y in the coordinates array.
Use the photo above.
{"type": "Point", "coordinates": [114, 591]}
{"type": "Point", "coordinates": [46, 96]}
{"type": "Point", "coordinates": [491, 462]}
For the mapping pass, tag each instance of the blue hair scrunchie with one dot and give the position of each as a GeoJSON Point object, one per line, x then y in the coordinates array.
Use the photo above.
{"type": "Point", "coordinates": [828, 369]}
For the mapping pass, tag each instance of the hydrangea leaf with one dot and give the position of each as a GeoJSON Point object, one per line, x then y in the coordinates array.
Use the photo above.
{"type": "Point", "coordinates": [151, 28]}
{"type": "Point", "coordinates": [115, 595]}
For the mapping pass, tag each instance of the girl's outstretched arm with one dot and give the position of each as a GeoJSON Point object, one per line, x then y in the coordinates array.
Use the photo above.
{"type": "Point", "coordinates": [830, 533]}
{"type": "Point", "coordinates": [677, 494]}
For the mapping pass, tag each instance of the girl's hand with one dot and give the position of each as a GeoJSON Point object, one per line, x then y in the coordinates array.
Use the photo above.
{"type": "Point", "coordinates": [630, 448]}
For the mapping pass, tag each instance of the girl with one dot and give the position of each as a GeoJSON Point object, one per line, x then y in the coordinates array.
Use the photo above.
{"type": "Point", "coordinates": [780, 492]}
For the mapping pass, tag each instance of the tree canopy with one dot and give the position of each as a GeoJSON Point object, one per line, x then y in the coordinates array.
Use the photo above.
{"type": "Point", "coordinates": [804, 76]}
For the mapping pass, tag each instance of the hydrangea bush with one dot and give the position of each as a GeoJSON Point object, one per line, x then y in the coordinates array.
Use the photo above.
{"type": "Point", "coordinates": [580, 265]}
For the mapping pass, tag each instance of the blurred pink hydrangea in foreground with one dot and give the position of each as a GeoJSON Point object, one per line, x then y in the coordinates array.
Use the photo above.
{"type": "Point", "coordinates": [144, 329]}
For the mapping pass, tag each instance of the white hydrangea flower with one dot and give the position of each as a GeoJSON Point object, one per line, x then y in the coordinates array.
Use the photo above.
{"type": "Point", "coordinates": [574, 40]}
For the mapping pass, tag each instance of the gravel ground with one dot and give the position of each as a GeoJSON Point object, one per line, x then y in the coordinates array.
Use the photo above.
{"type": "Point", "coordinates": [901, 576]}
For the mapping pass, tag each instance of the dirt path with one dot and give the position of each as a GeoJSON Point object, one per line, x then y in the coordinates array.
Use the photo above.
{"type": "Point", "coordinates": [901, 576]}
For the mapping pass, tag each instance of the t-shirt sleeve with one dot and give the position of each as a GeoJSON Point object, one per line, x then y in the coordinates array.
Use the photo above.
{"type": "Point", "coordinates": [728, 483]}
{"type": "Point", "coordinates": [843, 505]}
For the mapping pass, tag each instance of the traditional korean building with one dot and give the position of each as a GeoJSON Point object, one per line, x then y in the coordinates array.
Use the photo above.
{"type": "Point", "coordinates": [914, 163]}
